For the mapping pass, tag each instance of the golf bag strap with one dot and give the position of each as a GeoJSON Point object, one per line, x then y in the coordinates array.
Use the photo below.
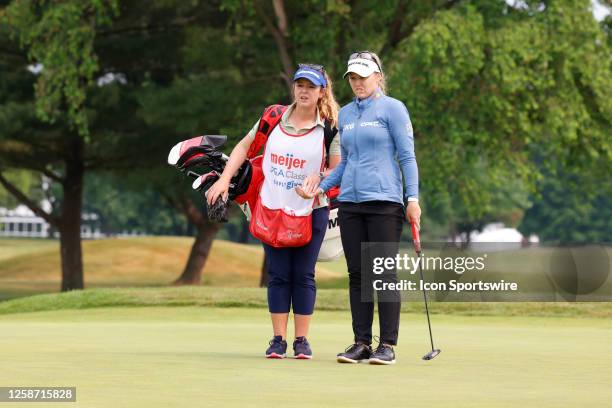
{"type": "Point", "coordinates": [328, 133]}
{"type": "Point", "coordinates": [270, 118]}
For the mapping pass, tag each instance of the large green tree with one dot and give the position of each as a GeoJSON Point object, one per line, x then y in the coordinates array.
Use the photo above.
{"type": "Point", "coordinates": [571, 208]}
{"type": "Point", "coordinates": [58, 40]}
{"type": "Point", "coordinates": [71, 94]}
{"type": "Point", "coordinates": [525, 90]}
{"type": "Point", "coordinates": [498, 93]}
{"type": "Point", "coordinates": [24, 181]}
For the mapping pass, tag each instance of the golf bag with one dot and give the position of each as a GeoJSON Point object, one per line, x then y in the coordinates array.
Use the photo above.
{"type": "Point", "coordinates": [200, 158]}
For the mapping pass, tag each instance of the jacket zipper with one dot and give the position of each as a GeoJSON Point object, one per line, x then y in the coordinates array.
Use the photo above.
{"type": "Point", "coordinates": [356, 151]}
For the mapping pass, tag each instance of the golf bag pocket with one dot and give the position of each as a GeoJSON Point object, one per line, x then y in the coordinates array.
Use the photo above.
{"type": "Point", "coordinates": [280, 227]}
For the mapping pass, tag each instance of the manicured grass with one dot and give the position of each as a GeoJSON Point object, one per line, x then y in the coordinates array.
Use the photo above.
{"type": "Point", "coordinates": [327, 299]}
{"type": "Point", "coordinates": [212, 357]}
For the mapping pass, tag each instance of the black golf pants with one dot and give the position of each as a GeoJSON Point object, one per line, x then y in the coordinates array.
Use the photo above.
{"type": "Point", "coordinates": [368, 222]}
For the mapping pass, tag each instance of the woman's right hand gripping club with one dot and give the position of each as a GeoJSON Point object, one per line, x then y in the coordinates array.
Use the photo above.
{"type": "Point", "coordinates": [219, 189]}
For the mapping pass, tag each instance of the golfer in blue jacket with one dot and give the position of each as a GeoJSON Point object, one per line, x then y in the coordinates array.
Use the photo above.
{"type": "Point", "coordinates": [376, 146]}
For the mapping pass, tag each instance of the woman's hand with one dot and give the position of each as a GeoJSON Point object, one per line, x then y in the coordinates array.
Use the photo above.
{"type": "Point", "coordinates": [311, 184]}
{"type": "Point", "coordinates": [310, 187]}
{"type": "Point", "coordinates": [219, 189]}
{"type": "Point", "coordinates": [413, 213]}
{"type": "Point", "coordinates": [300, 191]}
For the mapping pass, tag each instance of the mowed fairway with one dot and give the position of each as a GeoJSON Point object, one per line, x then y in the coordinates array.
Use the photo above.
{"type": "Point", "coordinates": [212, 357]}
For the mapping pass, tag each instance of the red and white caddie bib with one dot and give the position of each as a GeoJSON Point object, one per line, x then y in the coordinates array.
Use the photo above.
{"type": "Point", "coordinates": [288, 160]}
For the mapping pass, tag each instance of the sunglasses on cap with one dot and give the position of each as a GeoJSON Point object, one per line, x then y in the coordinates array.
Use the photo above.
{"type": "Point", "coordinates": [366, 55]}
{"type": "Point", "coordinates": [316, 67]}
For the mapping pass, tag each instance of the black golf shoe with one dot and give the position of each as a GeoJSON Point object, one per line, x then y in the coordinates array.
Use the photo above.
{"type": "Point", "coordinates": [301, 349]}
{"type": "Point", "coordinates": [355, 353]}
{"type": "Point", "coordinates": [277, 349]}
{"type": "Point", "coordinates": [383, 355]}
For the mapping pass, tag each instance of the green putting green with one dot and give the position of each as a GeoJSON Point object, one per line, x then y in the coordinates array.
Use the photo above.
{"type": "Point", "coordinates": [213, 357]}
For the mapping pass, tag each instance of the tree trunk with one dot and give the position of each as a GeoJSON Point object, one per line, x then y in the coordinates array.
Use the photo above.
{"type": "Point", "coordinates": [70, 220]}
{"type": "Point", "coordinates": [279, 32]}
{"type": "Point", "coordinates": [192, 274]}
{"type": "Point", "coordinates": [72, 257]}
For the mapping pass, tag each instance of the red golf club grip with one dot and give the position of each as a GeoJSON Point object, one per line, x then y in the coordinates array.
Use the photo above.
{"type": "Point", "coordinates": [416, 239]}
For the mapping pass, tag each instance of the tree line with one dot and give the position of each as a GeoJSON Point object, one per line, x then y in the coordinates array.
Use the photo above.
{"type": "Point", "coordinates": [511, 105]}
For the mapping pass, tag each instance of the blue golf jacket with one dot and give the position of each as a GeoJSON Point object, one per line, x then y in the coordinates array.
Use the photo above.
{"type": "Point", "coordinates": [376, 142]}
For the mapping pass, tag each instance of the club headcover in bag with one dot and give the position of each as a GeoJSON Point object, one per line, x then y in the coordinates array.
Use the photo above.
{"type": "Point", "coordinates": [197, 151]}
{"type": "Point", "coordinates": [218, 210]}
{"type": "Point", "coordinates": [205, 181]}
{"type": "Point", "coordinates": [202, 152]}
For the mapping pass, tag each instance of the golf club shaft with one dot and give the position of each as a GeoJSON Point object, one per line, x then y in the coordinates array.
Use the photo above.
{"type": "Point", "coordinates": [416, 239]}
{"type": "Point", "coordinates": [425, 298]}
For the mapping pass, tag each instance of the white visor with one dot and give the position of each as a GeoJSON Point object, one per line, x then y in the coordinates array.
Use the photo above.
{"type": "Point", "coordinates": [362, 67]}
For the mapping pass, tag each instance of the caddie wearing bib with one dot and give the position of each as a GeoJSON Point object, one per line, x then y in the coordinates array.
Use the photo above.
{"type": "Point", "coordinates": [294, 152]}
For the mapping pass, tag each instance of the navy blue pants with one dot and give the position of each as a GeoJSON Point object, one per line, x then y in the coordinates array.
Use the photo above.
{"type": "Point", "coordinates": [291, 271]}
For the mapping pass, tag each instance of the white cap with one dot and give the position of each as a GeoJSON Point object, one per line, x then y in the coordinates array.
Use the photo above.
{"type": "Point", "coordinates": [362, 67]}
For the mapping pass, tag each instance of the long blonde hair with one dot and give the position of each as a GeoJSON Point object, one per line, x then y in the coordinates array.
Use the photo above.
{"type": "Point", "coordinates": [328, 107]}
{"type": "Point", "coordinates": [383, 80]}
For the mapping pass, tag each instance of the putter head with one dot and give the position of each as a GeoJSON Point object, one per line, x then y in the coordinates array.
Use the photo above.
{"type": "Point", "coordinates": [432, 354]}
